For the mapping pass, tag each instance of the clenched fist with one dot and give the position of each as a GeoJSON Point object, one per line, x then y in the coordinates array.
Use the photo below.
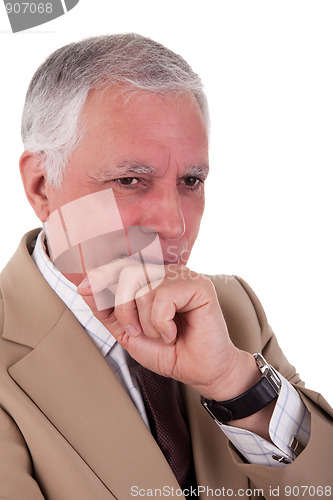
{"type": "Point", "coordinates": [173, 325]}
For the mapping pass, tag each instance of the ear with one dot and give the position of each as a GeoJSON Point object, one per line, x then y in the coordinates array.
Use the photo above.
{"type": "Point", "coordinates": [34, 182]}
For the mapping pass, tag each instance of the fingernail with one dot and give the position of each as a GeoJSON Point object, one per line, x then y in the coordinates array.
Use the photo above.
{"type": "Point", "coordinates": [131, 331]}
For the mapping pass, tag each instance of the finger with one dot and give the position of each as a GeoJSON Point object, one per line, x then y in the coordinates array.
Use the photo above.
{"type": "Point", "coordinates": [90, 301]}
{"type": "Point", "coordinates": [163, 313]}
{"type": "Point", "coordinates": [109, 320]}
{"type": "Point", "coordinates": [155, 356]}
{"type": "Point", "coordinates": [106, 276]}
{"type": "Point", "coordinates": [131, 279]}
{"type": "Point", "coordinates": [127, 315]}
{"type": "Point", "coordinates": [105, 315]}
{"type": "Point", "coordinates": [144, 304]}
{"type": "Point", "coordinates": [101, 281]}
{"type": "Point", "coordinates": [134, 282]}
{"type": "Point", "coordinates": [145, 299]}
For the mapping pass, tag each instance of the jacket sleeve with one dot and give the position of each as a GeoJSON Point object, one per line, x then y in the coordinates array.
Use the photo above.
{"type": "Point", "coordinates": [310, 475]}
{"type": "Point", "coordinates": [16, 467]}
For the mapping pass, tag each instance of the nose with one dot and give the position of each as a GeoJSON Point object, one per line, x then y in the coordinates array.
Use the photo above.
{"type": "Point", "coordinates": [164, 214]}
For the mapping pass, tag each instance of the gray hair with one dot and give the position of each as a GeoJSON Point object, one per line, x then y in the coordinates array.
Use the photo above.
{"type": "Point", "coordinates": [60, 86]}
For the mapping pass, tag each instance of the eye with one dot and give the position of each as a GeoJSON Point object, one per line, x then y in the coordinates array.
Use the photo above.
{"type": "Point", "coordinates": [127, 181]}
{"type": "Point", "coordinates": [192, 182]}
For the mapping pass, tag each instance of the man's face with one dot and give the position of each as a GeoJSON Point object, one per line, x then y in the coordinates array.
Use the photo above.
{"type": "Point", "coordinates": [153, 152]}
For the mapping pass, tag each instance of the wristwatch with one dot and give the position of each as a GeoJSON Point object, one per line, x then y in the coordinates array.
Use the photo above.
{"type": "Point", "coordinates": [251, 401]}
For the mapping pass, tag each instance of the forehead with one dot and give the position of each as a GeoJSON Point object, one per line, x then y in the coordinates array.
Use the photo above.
{"type": "Point", "coordinates": [120, 127]}
{"type": "Point", "coordinates": [123, 111]}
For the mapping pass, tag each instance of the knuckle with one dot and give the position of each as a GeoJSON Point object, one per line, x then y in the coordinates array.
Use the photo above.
{"type": "Point", "coordinates": [96, 277]}
{"type": "Point", "coordinates": [125, 273]}
{"type": "Point", "coordinates": [143, 296]}
{"type": "Point", "coordinates": [158, 323]}
{"type": "Point", "coordinates": [151, 332]}
{"type": "Point", "coordinates": [162, 294]}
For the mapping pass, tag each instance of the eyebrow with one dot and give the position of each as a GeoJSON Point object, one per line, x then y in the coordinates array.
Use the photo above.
{"type": "Point", "coordinates": [197, 171]}
{"type": "Point", "coordinates": [133, 169]}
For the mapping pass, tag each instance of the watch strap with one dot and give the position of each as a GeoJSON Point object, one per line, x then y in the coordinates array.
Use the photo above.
{"type": "Point", "coordinates": [251, 401]}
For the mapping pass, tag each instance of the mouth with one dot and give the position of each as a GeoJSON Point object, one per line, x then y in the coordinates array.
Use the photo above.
{"type": "Point", "coordinates": [168, 262]}
{"type": "Point", "coordinates": [153, 260]}
{"type": "Point", "coordinates": [150, 259]}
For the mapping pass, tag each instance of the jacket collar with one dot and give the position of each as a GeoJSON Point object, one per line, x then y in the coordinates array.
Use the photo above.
{"type": "Point", "coordinates": [31, 308]}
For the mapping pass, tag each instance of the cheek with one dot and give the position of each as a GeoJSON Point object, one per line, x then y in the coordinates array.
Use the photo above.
{"type": "Point", "coordinates": [60, 196]}
{"type": "Point", "coordinates": [192, 213]}
{"type": "Point", "coordinates": [130, 211]}
{"type": "Point", "coordinates": [56, 197]}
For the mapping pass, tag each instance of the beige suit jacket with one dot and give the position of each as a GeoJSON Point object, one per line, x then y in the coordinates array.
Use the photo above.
{"type": "Point", "coordinates": [68, 430]}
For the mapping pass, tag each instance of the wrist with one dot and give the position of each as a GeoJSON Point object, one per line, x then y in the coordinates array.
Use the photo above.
{"type": "Point", "coordinates": [242, 374]}
{"type": "Point", "coordinates": [252, 406]}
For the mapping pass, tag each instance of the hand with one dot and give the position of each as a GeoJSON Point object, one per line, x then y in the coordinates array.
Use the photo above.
{"type": "Point", "coordinates": [173, 326]}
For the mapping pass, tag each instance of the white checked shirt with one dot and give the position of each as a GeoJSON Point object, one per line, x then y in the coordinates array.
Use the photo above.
{"type": "Point", "coordinates": [290, 417]}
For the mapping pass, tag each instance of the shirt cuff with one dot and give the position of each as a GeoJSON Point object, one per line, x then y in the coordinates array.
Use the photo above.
{"type": "Point", "coordinates": [290, 420]}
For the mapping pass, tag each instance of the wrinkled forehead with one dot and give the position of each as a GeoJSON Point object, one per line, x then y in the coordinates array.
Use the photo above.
{"type": "Point", "coordinates": [143, 127]}
{"type": "Point", "coordinates": [119, 103]}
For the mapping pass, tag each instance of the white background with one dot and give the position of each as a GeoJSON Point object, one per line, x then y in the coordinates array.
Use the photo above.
{"type": "Point", "coordinates": [267, 68]}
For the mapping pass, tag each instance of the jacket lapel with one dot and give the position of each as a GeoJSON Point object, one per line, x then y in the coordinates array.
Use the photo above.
{"type": "Point", "coordinates": [71, 383]}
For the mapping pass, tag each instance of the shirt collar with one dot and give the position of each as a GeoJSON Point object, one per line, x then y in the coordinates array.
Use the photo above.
{"type": "Point", "coordinates": [68, 293]}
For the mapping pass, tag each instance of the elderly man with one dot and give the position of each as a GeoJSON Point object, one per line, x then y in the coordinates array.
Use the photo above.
{"type": "Point", "coordinates": [108, 340]}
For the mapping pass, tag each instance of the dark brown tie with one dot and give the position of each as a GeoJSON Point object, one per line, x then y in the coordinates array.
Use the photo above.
{"type": "Point", "coordinates": [168, 425]}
